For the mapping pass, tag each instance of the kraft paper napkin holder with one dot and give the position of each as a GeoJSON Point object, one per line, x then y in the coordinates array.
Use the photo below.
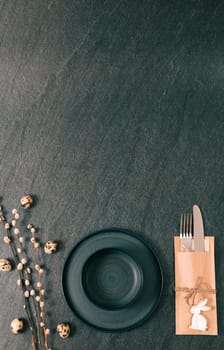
{"type": "Point", "coordinates": [195, 290]}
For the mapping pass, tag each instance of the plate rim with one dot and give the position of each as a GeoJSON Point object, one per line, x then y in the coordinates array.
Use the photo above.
{"type": "Point", "coordinates": [144, 242]}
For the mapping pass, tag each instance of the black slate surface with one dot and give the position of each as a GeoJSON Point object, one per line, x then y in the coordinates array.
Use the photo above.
{"type": "Point", "coordinates": [112, 116]}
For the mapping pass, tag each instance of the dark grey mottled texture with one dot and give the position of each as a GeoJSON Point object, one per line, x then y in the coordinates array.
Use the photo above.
{"type": "Point", "coordinates": [112, 115]}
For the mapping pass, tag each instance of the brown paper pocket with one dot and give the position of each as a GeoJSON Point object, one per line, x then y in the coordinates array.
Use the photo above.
{"type": "Point", "coordinates": [195, 290]}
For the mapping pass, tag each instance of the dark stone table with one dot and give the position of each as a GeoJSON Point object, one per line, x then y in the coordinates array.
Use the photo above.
{"type": "Point", "coordinates": [112, 115]}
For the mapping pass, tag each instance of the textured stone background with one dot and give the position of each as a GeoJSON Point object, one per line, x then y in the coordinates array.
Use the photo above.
{"type": "Point", "coordinates": [112, 115]}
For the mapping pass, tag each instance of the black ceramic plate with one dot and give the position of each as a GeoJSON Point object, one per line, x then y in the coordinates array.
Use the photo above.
{"type": "Point", "coordinates": [112, 280]}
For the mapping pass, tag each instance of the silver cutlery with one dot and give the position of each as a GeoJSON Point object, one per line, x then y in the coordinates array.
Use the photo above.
{"type": "Point", "coordinates": [199, 243]}
{"type": "Point", "coordinates": [186, 231]}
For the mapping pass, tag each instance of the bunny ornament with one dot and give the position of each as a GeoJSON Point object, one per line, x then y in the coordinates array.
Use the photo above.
{"type": "Point", "coordinates": [198, 321]}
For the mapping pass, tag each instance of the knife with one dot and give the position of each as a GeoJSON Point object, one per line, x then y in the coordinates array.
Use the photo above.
{"type": "Point", "coordinates": [199, 243]}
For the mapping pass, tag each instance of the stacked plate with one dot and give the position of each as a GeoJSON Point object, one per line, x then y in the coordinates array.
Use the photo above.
{"type": "Point", "coordinates": [112, 280]}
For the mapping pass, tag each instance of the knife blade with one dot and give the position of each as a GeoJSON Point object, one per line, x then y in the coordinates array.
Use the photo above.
{"type": "Point", "coordinates": [199, 243]}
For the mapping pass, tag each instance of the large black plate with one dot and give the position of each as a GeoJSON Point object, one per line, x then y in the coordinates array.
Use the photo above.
{"type": "Point", "coordinates": [112, 280]}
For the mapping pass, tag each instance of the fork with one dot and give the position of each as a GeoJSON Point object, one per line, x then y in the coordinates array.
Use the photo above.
{"type": "Point", "coordinates": [186, 231]}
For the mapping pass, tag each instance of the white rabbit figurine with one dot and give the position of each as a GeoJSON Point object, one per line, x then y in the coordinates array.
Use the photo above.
{"type": "Point", "coordinates": [198, 321]}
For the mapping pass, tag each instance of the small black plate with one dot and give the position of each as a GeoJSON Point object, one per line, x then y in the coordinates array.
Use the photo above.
{"type": "Point", "coordinates": [112, 280]}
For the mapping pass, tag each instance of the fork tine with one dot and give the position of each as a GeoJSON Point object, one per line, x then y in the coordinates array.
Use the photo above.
{"type": "Point", "coordinates": [181, 225]}
{"type": "Point", "coordinates": [186, 231]}
{"type": "Point", "coordinates": [187, 224]}
{"type": "Point", "coordinates": [184, 225]}
{"type": "Point", "coordinates": [190, 228]}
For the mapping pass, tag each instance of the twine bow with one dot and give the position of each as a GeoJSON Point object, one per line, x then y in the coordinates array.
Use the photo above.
{"type": "Point", "coordinates": [200, 287]}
